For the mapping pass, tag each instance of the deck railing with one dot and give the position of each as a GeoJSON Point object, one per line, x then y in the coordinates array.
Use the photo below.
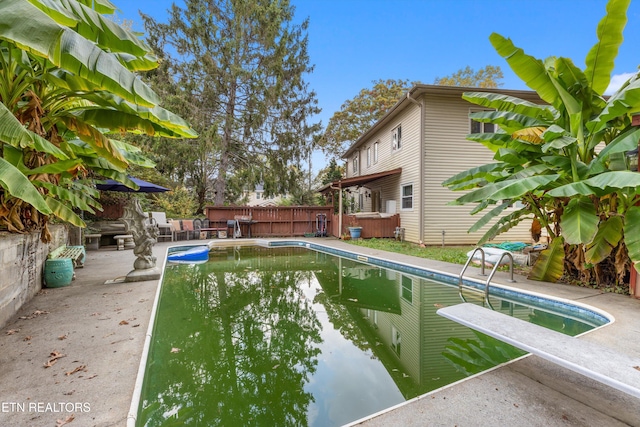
{"type": "Point", "coordinates": [371, 227]}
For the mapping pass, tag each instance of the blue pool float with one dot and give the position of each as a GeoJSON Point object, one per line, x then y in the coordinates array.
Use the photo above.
{"type": "Point", "coordinates": [191, 255]}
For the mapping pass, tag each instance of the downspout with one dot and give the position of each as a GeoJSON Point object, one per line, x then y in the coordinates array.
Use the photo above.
{"type": "Point", "coordinates": [422, 177]}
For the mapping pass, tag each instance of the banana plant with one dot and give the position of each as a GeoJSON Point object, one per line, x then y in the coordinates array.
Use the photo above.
{"type": "Point", "coordinates": [561, 158]}
{"type": "Point", "coordinates": [67, 87]}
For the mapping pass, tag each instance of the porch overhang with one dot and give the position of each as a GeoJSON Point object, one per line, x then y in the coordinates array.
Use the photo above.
{"type": "Point", "coordinates": [359, 180]}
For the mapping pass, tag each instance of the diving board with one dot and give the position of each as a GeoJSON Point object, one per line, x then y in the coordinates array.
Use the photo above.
{"type": "Point", "coordinates": [592, 360]}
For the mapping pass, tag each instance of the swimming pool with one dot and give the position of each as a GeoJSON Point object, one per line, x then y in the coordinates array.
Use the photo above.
{"type": "Point", "coordinates": [301, 336]}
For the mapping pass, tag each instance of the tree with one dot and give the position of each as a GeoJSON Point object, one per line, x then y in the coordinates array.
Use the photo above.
{"type": "Point", "coordinates": [487, 77]}
{"type": "Point", "coordinates": [357, 115]}
{"type": "Point", "coordinates": [546, 157]}
{"type": "Point", "coordinates": [243, 66]}
{"type": "Point", "coordinates": [67, 85]}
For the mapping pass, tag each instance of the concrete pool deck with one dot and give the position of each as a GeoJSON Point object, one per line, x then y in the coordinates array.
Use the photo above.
{"type": "Point", "coordinates": [92, 336]}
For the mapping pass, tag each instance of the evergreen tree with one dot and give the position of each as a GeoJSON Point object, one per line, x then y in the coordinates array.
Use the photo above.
{"type": "Point", "coordinates": [242, 65]}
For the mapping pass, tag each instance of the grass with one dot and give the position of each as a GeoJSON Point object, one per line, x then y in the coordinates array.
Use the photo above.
{"type": "Point", "coordinates": [452, 254]}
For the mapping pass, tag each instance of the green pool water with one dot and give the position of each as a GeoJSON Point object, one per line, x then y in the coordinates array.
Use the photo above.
{"type": "Point", "coordinates": [293, 337]}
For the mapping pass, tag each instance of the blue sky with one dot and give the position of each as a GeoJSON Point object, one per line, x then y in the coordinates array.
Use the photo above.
{"type": "Point", "coordinates": [353, 42]}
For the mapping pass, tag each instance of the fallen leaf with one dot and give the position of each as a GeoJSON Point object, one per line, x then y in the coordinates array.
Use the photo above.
{"type": "Point", "coordinates": [60, 423]}
{"type": "Point", "coordinates": [123, 322]}
{"type": "Point", "coordinates": [438, 305]}
{"type": "Point", "coordinates": [175, 350]}
{"type": "Point", "coordinates": [62, 337]}
{"type": "Point", "coordinates": [276, 366]}
{"type": "Point", "coordinates": [50, 363]}
{"type": "Point", "coordinates": [77, 369]}
{"type": "Point", "coordinates": [69, 393]}
{"type": "Point", "coordinates": [637, 367]}
{"type": "Point", "coordinates": [95, 314]}
{"type": "Point", "coordinates": [53, 358]}
{"type": "Point", "coordinates": [33, 315]}
{"type": "Point", "coordinates": [27, 338]}
{"type": "Point", "coordinates": [136, 325]}
{"type": "Point", "coordinates": [13, 331]}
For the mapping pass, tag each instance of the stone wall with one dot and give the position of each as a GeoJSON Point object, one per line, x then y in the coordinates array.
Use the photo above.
{"type": "Point", "coordinates": [22, 258]}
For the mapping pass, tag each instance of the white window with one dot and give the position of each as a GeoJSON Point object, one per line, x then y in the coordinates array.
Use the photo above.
{"type": "Point", "coordinates": [407, 196]}
{"type": "Point", "coordinates": [479, 127]}
{"type": "Point", "coordinates": [406, 291]}
{"type": "Point", "coordinates": [375, 153]}
{"type": "Point", "coordinates": [396, 339]}
{"type": "Point", "coordinates": [396, 138]}
{"type": "Point", "coordinates": [258, 196]}
{"type": "Point", "coordinates": [355, 164]}
{"type": "Point", "coordinates": [368, 157]}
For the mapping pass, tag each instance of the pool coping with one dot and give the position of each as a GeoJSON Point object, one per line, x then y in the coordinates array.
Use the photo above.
{"type": "Point", "coordinates": [356, 255]}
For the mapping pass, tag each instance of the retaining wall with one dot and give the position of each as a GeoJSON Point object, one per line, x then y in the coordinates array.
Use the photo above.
{"type": "Point", "coordinates": [22, 258]}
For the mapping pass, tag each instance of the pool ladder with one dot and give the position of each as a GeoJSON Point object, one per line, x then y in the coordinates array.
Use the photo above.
{"type": "Point", "coordinates": [482, 273]}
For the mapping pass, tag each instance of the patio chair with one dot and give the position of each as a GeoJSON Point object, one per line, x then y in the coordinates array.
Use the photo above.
{"type": "Point", "coordinates": [176, 230]}
{"type": "Point", "coordinates": [187, 226]}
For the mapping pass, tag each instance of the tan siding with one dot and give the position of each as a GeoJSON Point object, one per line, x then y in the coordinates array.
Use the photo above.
{"type": "Point", "coordinates": [447, 153]}
{"type": "Point", "coordinates": [389, 159]}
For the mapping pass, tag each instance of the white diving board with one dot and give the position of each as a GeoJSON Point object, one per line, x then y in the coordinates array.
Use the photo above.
{"type": "Point", "coordinates": [592, 360]}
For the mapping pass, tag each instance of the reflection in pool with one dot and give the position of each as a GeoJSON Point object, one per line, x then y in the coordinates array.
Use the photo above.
{"type": "Point", "coordinates": [294, 337]}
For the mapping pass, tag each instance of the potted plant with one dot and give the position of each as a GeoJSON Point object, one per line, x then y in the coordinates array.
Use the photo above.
{"type": "Point", "coordinates": [355, 229]}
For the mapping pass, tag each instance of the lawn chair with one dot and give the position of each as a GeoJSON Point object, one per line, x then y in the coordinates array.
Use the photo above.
{"type": "Point", "coordinates": [187, 226]}
{"type": "Point", "coordinates": [176, 230]}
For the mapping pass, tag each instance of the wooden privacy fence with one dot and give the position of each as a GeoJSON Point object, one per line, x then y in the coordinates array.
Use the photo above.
{"type": "Point", "coordinates": [372, 226]}
{"type": "Point", "coordinates": [277, 221]}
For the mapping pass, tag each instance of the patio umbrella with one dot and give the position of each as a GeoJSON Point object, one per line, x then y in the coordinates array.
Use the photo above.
{"type": "Point", "coordinates": [145, 187]}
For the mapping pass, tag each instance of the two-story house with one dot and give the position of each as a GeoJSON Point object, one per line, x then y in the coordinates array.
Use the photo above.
{"type": "Point", "coordinates": [399, 164]}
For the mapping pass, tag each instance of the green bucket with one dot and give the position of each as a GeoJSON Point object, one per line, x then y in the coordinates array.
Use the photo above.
{"type": "Point", "coordinates": [58, 272]}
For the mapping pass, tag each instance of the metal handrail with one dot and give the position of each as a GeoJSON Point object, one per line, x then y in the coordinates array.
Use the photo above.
{"type": "Point", "coordinates": [495, 268]}
{"type": "Point", "coordinates": [493, 271]}
{"type": "Point", "coordinates": [465, 268]}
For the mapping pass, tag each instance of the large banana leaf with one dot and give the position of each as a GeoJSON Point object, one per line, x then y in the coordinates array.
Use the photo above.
{"type": "Point", "coordinates": [608, 236]}
{"type": "Point", "coordinates": [579, 222]}
{"type": "Point", "coordinates": [19, 186]}
{"type": "Point", "coordinates": [479, 171]}
{"type": "Point", "coordinates": [603, 183]}
{"type": "Point", "coordinates": [118, 121]}
{"type": "Point", "coordinates": [101, 6]}
{"type": "Point", "coordinates": [42, 36]}
{"type": "Point", "coordinates": [94, 27]}
{"type": "Point", "coordinates": [64, 212]}
{"type": "Point", "coordinates": [72, 198]}
{"type": "Point", "coordinates": [508, 121]}
{"type": "Point", "coordinates": [550, 264]}
{"type": "Point", "coordinates": [625, 100]}
{"type": "Point", "coordinates": [504, 224]}
{"type": "Point", "coordinates": [14, 133]}
{"type": "Point", "coordinates": [624, 142]}
{"type": "Point", "coordinates": [481, 194]}
{"type": "Point", "coordinates": [600, 59]}
{"type": "Point", "coordinates": [489, 216]}
{"type": "Point", "coordinates": [531, 70]}
{"type": "Point", "coordinates": [100, 143]}
{"type": "Point", "coordinates": [501, 102]}
{"type": "Point", "coordinates": [519, 187]}
{"type": "Point", "coordinates": [132, 154]}
{"type": "Point", "coordinates": [632, 233]}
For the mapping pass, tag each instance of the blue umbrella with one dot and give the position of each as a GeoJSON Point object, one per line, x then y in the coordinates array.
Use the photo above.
{"type": "Point", "coordinates": [145, 187]}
